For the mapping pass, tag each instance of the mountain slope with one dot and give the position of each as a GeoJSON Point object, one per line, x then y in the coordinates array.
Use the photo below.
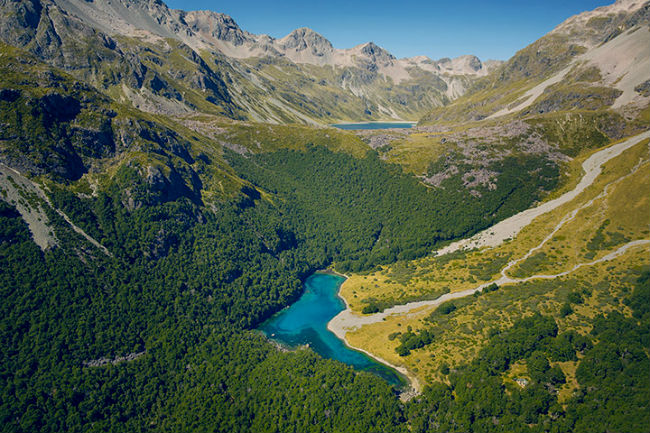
{"type": "Point", "coordinates": [220, 69]}
{"type": "Point", "coordinates": [595, 61]}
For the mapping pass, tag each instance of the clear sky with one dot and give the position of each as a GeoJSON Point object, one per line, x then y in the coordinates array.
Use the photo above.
{"type": "Point", "coordinates": [489, 29]}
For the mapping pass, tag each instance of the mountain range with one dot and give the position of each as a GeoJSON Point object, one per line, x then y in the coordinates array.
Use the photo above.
{"type": "Point", "coordinates": [299, 78]}
{"type": "Point", "coordinates": [168, 181]}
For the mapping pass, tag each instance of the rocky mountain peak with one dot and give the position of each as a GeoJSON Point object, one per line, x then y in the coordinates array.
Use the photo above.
{"type": "Point", "coordinates": [305, 38]}
{"type": "Point", "coordinates": [373, 54]}
{"type": "Point", "coordinates": [372, 50]}
{"type": "Point", "coordinates": [215, 25]}
{"type": "Point", "coordinates": [472, 62]}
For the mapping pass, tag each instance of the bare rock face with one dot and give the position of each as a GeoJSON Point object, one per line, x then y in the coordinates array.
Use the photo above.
{"type": "Point", "coordinates": [19, 21]}
{"type": "Point", "coordinates": [471, 63]}
{"type": "Point", "coordinates": [377, 54]}
{"type": "Point", "coordinates": [42, 28]}
{"type": "Point", "coordinates": [126, 17]}
{"type": "Point", "coordinates": [212, 25]}
{"type": "Point", "coordinates": [306, 39]}
{"type": "Point", "coordinates": [460, 65]}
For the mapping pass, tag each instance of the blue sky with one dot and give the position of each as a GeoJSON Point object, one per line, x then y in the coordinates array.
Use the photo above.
{"type": "Point", "coordinates": [489, 29]}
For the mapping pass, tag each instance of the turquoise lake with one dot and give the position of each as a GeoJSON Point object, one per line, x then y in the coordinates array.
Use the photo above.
{"type": "Point", "coordinates": [305, 322]}
{"type": "Point", "coordinates": [372, 125]}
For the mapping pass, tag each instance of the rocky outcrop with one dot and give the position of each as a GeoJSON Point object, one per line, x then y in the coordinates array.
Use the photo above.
{"type": "Point", "coordinates": [100, 362]}
{"type": "Point", "coordinates": [150, 183]}
{"type": "Point", "coordinates": [44, 135]}
{"type": "Point", "coordinates": [169, 61]}
{"type": "Point", "coordinates": [306, 39]}
{"type": "Point", "coordinates": [216, 26]}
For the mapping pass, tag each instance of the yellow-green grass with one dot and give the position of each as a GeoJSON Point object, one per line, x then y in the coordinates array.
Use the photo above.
{"type": "Point", "coordinates": [428, 277]}
{"type": "Point", "coordinates": [565, 392]}
{"type": "Point", "coordinates": [621, 213]}
{"type": "Point", "coordinates": [416, 151]}
{"type": "Point", "coordinates": [518, 370]}
{"type": "Point", "coordinates": [533, 234]}
{"type": "Point", "coordinates": [461, 334]}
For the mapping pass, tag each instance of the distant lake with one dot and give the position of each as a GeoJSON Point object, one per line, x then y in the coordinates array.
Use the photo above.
{"type": "Point", "coordinates": [305, 322]}
{"type": "Point", "coordinates": [373, 125]}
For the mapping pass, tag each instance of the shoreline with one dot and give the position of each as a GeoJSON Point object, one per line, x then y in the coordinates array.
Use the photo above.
{"type": "Point", "coordinates": [329, 271]}
{"type": "Point", "coordinates": [413, 387]}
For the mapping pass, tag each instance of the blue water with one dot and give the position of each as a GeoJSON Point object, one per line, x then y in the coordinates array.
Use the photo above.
{"type": "Point", "coordinates": [305, 322]}
{"type": "Point", "coordinates": [372, 125]}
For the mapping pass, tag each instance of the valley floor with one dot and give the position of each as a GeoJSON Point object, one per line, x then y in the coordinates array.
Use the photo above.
{"type": "Point", "coordinates": [538, 237]}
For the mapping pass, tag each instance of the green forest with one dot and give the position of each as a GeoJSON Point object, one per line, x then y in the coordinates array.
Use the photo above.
{"type": "Point", "coordinates": [366, 212]}
{"type": "Point", "coordinates": [186, 287]}
{"type": "Point", "coordinates": [159, 334]}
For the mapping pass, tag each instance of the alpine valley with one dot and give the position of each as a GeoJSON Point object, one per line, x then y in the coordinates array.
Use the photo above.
{"type": "Point", "coordinates": [170, 181]}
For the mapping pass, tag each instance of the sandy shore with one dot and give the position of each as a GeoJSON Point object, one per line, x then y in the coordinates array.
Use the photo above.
{"type": "Point", "coordinates": [340, 331]}
{"type": "Point", "coordinates": [347, 320]}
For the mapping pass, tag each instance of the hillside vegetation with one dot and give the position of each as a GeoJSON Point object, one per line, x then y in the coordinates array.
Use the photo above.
{"type": "Point", "coordinates": [569, 241]}
{"type": "Point", "coordinates": [150, 220]}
